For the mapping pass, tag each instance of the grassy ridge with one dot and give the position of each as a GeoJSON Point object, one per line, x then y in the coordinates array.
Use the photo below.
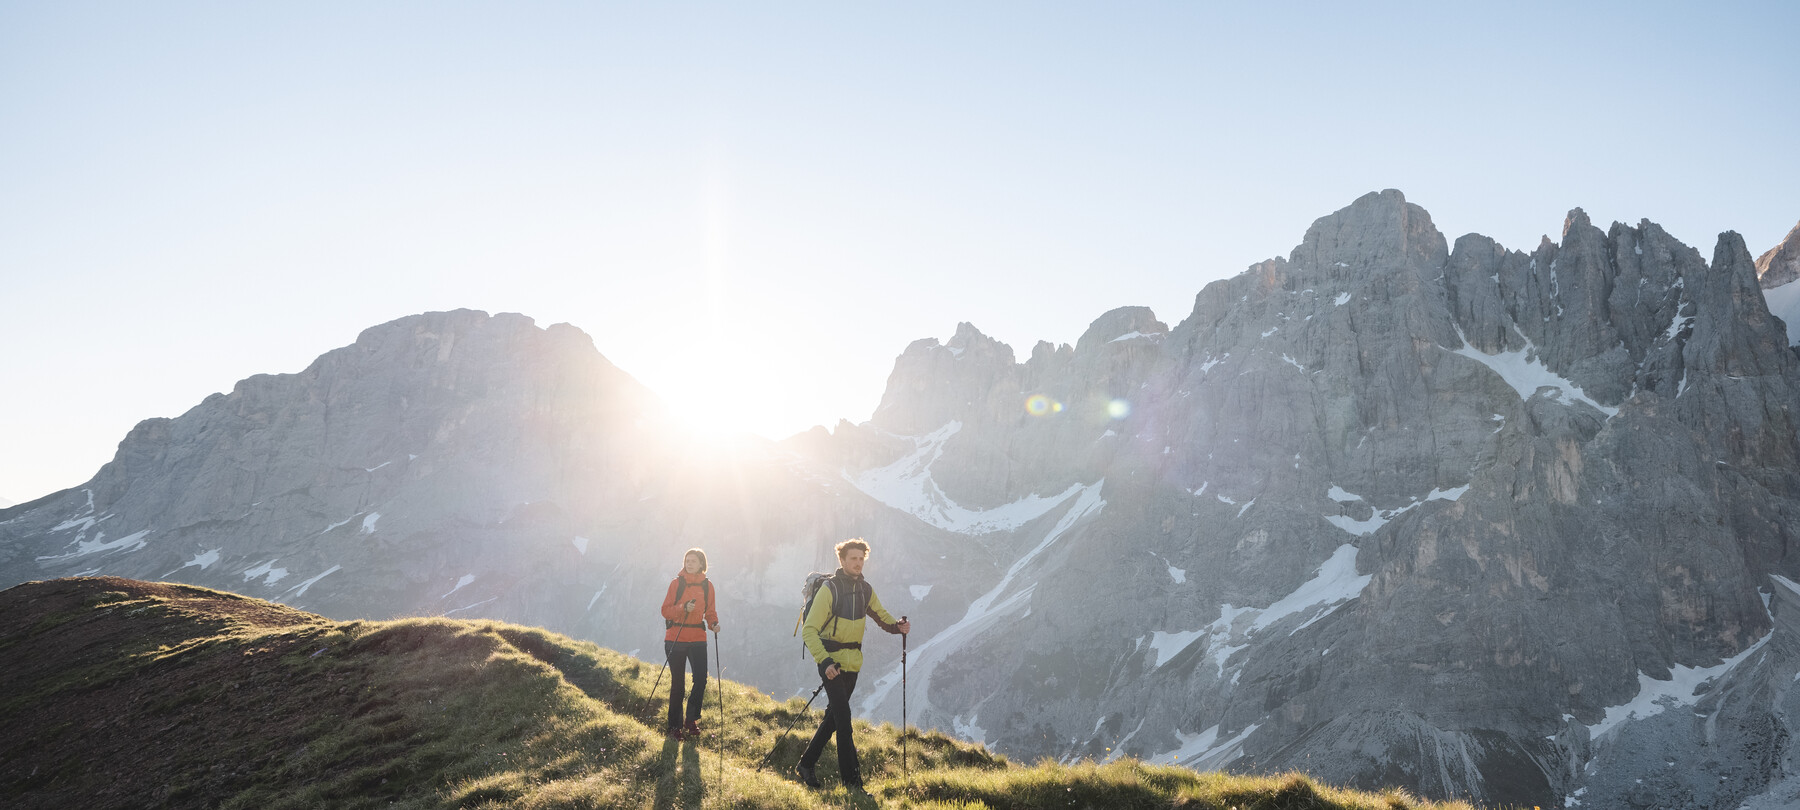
{"type": "Point", "coordinates": [154, 695]}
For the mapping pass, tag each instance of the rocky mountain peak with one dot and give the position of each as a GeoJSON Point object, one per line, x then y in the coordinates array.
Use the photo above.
{"type": "Point", "coordinates": [1781, 263]}
{"type": "Point", "coordinates": [1124, 323]}
{"type": "Point", "coordinates": [935, 383]}
{"type": "Point", "coordinates": [1576, 218]}
{"type": "Point", "coordinates": [1380, 230]}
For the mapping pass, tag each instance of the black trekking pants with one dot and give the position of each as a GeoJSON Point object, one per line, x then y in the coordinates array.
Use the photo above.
{"type": "Point", "coordinates": [837, 720]}
{"type": "Point", "coordinates": [680, 653]}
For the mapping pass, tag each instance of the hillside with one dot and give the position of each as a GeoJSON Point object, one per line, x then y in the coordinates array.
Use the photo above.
{"type": "Point", "coordinates": [123, 693]}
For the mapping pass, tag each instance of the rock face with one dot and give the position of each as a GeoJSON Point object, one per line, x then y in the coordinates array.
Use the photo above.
{"type": "Point", "coordinates": [1777, 270]}
{"type": "Point", "coordinates": [1781, 263]}
{"type": "Point", "coordinates": [1482, 523]}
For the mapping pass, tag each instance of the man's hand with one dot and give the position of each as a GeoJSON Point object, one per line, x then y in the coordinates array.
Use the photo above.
{"type": "Point", "coordinates": [715, 627]}
{"type": "Point", "coordinates": [689, 607]}
{"type": "Point", "coordinates": [831, 671]}
{"type": "Point", "coordinates": [905, 626]}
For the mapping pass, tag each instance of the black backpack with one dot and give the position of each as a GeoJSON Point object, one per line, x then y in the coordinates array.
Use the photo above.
{"type": "Point", "coordinates": [810, 589]}
{"type": "Point", "coordinates": [705, 587]}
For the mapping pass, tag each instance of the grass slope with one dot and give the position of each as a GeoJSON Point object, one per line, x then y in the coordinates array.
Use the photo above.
{"type": "Point", "coordinates": [119, 693]}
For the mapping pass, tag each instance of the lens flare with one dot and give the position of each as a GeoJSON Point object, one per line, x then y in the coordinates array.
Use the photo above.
{"type": "Point", "coordinates": [1118, 409]}
{"type": "Point", "coordinates": [1040, 405]}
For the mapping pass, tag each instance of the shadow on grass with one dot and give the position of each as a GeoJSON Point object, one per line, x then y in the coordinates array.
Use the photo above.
{"type": "Point", "coordinates": [680, 780]}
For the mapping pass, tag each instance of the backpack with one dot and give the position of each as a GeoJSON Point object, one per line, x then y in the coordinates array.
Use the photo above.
{"type": "Point", "coordinates": [706, 589]}
{"type": "Point", "coordinates": [810, 589]}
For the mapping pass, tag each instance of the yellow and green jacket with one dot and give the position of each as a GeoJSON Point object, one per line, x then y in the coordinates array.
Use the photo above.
{"type": "Point", "coordinates": [836, 620]}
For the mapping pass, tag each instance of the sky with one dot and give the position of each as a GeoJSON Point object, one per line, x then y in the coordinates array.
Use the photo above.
{"type": "Point", "coordinates": [753, 208]}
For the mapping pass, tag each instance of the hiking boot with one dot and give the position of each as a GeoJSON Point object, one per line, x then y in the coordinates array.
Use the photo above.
{"type": "Point", "coordinates": [807, 777]}
{"type": "Point", "coordinates": [673, 733]}
{"type": "Point", "coordinates": [691, 730]}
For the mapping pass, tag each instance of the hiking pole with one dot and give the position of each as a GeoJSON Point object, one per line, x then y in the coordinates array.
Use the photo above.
{"type": "Point", "coordinates": [719, 684]}
{"type": "Point", "coordinates": [659, 674]}
{"type": "Point", "coordinates": [790, 728]}
{"type": "Point", "coordinates": [903, 772]}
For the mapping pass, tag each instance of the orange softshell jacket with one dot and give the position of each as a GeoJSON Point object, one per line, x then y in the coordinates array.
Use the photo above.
{"type": "Point", "coordinates": [688, 626]}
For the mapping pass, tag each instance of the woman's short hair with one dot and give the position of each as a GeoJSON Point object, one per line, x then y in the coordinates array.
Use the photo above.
{"type": "Point", "coordinates": [697, 553]}
{"type": "Point", "coordinates": [854, 542]}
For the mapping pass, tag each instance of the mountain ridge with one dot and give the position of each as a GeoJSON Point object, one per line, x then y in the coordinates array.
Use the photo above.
{"type": "Point", "coordinates": [135, 694]}
{"type": "Point", "coordinates": [1390, 508]}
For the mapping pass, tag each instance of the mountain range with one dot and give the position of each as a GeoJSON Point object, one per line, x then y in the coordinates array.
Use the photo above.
{"type": "Point", "coordinates": [1483, 523]}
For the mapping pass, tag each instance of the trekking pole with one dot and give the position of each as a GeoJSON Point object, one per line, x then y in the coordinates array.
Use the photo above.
{"type": "Point", "coordinates": [653, 687]}
{"type": "Point", "coordinates": [903, 771]}
{"type": "Point", "coordinates": [790, 728]}
{"type": "Point", "coordinates": [719, 684]}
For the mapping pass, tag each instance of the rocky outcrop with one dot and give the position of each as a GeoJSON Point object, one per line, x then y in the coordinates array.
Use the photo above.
{"type": "Point", "coordinates": [1777, 270]}
{"type": "Point", "coordinates": [1392, 509]}
{"type": "Point", "coordinates": [1780, 264]}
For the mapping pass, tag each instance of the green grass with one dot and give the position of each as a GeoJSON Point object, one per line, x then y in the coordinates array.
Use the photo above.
{"type": "Point", "coordinates": [182, 705]}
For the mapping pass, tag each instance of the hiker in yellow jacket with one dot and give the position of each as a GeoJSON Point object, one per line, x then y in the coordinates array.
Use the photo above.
{"type": "Point", "coordinates": [833, 633]}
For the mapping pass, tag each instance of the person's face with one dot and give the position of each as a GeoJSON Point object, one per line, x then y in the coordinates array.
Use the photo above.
{"type": "Point", "coordinates": [853, 559]}
{"type": "Point", "coordinates": [691, 563]}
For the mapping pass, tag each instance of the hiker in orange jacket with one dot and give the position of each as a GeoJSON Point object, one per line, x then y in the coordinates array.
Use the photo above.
{"type": "Point", "coordinates": [688, 610]}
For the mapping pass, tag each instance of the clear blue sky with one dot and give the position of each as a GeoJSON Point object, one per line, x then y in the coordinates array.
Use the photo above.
{"type": "Point", "coordinates": [753, 208]}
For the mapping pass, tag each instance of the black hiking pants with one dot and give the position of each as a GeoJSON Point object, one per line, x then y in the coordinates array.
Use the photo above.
{"type": "Point", "coordinates": [837, 720]}
{"type": "Point", "coordinates": [680, 654]}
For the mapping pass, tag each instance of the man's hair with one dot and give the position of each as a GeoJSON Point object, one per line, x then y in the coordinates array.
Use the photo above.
{"type": "Point", "coordinates": [697, 553]}
{"type": "Point", "coordinates": [854, 542]}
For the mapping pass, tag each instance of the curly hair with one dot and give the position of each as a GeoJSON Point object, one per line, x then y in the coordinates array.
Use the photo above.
{"type": "Point", "coordinates": [854, 542]}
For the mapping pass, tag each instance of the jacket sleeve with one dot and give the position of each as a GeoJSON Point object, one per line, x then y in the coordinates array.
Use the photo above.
{"type": "Point", "coordinates": [712, 603]}
{"type": "Point", "coordinates": [815, 624]}
{"type": "Point", "coordinates": [883, 618]}
{"type": "Point", "coordinates": [670, 610]}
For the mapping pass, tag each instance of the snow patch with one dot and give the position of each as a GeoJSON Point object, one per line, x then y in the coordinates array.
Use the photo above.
{"type": "Point", "coordinates": [907, 485]}
{"type": "Point", "coordinates": [1527, 374]}
{"type": "Point", "coordinates": [1129, 336]}
{"type": "Point", "coordinates": [1203, 751]}
{"type": "Point", "coordinates": [130, 542]}
{"type": "Point", "coordinates": [969, 729]}
{"type": "Point", "coordinates": [267, 570]}
{"type": "Point", "coordinates": [985, 611]}
{"type": "Point", "coordinates": [469, 607]}
{"type": "Point", "coordinates": [300, 590]}
{"type": "Point", "coordinates": [1333, 584]}
{"type": "Point", "coordinates": [1342, 299]}
{"type": "Point", "coordinates": [1654, 695]}
{"type": "Point", "coordinates": [368, 526]}
{"type": "Point", "coordinates": [581, 544]}
{"type": "Point", "coordinates": [339, 523]}
{"type": "Point", "coordinates": [919, 592]}
{"type": "Point", "coordinates": [590, 605]}
{"type": "Point", "coordinates": [1166, 645]}
{"type": "Point", "coordinates": [1784, 303]}
{"type": "Point", "coordinates": [466, 579]}
{"type": "Point", "coordinates": [205, 559]}
{"type": "Point", "coordinates": [1380, 518]}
